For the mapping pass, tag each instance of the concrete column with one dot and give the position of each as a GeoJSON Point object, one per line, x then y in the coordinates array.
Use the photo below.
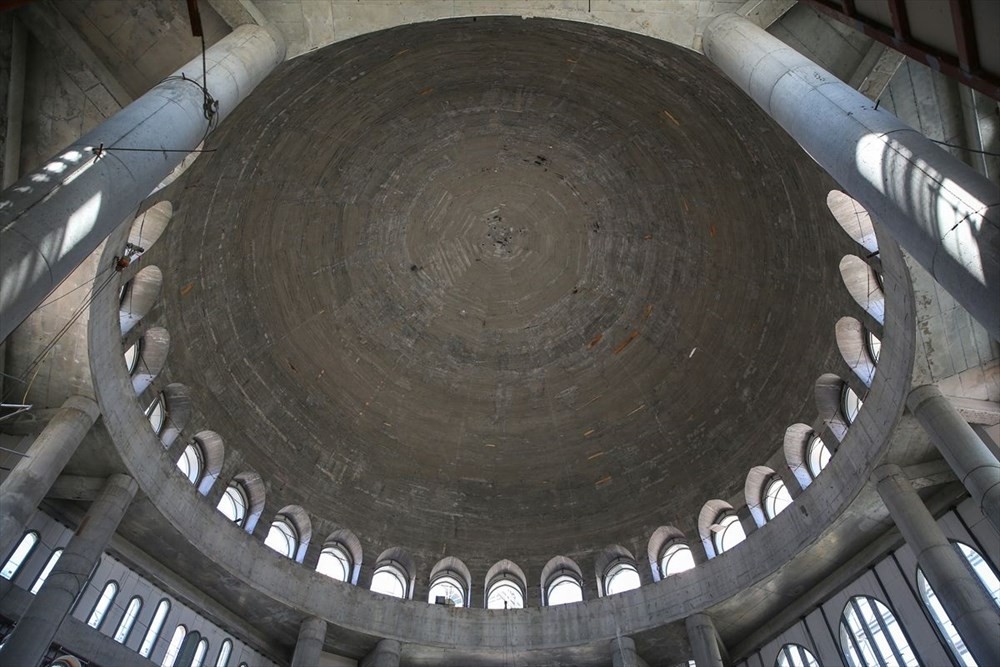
{"type": "Point", "coordinates": [704, 640]}
{"type": "Point", "coordinates": [937, 208]}
{"type": "Point", "coordinates": [55, 217]}
{"type": "Point", "coordinates": [965, 600]}
{"type": "Point", "coordinates": [34, 633]}
{"type": "Point", "coordinates": [623, 653]}
{"type": "Point", "coordinates": [33, 476]}
{"type": "Point", "coordinates": [969, 457]}
{"type": "Point", "coordinates": [312, 636]}
{"type": "Point", "coordinates": [15, 102]}
{"type": "Point", "coordinates": [386, 654]}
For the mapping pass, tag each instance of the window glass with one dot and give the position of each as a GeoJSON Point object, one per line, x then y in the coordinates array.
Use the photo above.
{"type": "Point", "coordinates": [156, 414]}
{"type": "Point", "coordinates": [281, 537]}
{"type": "Point", "coordinates": [776, 498]}
{"type": "Point", "coordinates": [44, 574]}
{"type": "Point", "coordinates": [986, 575]}
{"type": "Point", "coordinates": [224, 652]}
{"type": "Point", "coordinates": [817, 456]}
{"type": "Point", "coordinates": [128, 619]}
{"type": "Point", "coordinates": [874, 345]}
{"type": "Point", "coordinates": [132, 357]}
{"type": "Point", "coordinates": [102, 605]}
{"type": "Point", "coordinates": [940, 616]}
{"type": "Point", "coordinates": [19, 555]}
{"type": "Point", "coordinates": [851, 404]}
{"type": "Point", "coordinates": [621, 577]}
{"type": "Point", "coordinates": [871, 635]}
{"type": "Point", "coordinates": [389, 580]}
{"type": "Point", "coordinates": [233, 504]}
{"type": "Point", "coordinates": [155, 626]}
{"type": "Point", "coordinates": [191, 462]}
{"type": "Point", "coordinates": [334, 563]}
{"type": "Point", "coordinates": [505, 594]}
{"type": "Point", "coordinates": [793, 655]}
{"type": "Point", "coordinates": [448, 587]}
{"type": "Point", "coordinates": [728, 533]}
{"type": "Point", "coordinates": [174, 647]}
{"type": "Point", "coordinates": [563, 590]}
{"type": "Point", "coordinates": [676, 558]}
{"type": "Point", "coordinates": [199, 654]}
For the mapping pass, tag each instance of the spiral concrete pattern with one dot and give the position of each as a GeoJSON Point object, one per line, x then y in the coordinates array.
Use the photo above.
{"type": "Point", "coordinates": [501, 288]}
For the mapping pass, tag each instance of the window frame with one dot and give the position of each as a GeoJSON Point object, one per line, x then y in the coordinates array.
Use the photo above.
{"type": "Point", "coordinates": [558, 578]}
{"type": "Point", "coordinates": [455, 580]}
{"type": "Point", "coordinates": [289, 532]}
{"type": "Point", "coordinates": [718, 536]}
{"type": "Point", "coordinates": [100, 618]}
{"type": "Point", "coordinates": [505, 580]}
{"type": "Point", "coordinates": [158, 401]}
{"type": "Point", "coordinates": [200, 653]}
{"type": "Point", "coordinates": [199, 459]}
{"type": "Point", "coordinates": [130, 368]}
{"type": "Point", "coordinates": [154, 629]}
{"type": "Point", "coordinates": [816, 442]}
{"type": "Point", "coordinates": [399, 572]}
{"type": "Point", "coordinates": [169, 660]}
{"type": "Point", "coordinates": [243, 496]}
{"type": "Point", "coordinates": [43, 574]}
{"type": "Point", "coordinates": [769, 500]}
{"type": "Point", "coordinates": [131, 622]}
{"type": "Point", "coordinates": [225, 653]}
{"type": "Point", "coordinates": [24, 558]}
{"type": "Point", "coordinates": [873, 346]}
{"type": "Point", "coordinates": [845, 400]}
{"type": "Point", "coordinates": [670, 551]}
{"type": "Point", "coordinates": [807, 658]}
{"type": "Point", "coordinates": [345, 560]}
{"type": "Point", "coordinates": [615, 569]}
{"type": "Point", "coordinates": [875, 606]}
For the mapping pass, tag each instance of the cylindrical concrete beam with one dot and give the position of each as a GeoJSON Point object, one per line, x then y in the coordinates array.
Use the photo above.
{"type": "Point", "coordinates": [937, 208]}
{"type": "Point", "coordinates": [386, 654]}
{"type": "Point", "coordinates": [34, 633]}
{"type": "Point", "coordinates": [964, 599]}
{"type": "Point", "coordinates": [53, 218]}
{"type": "Point", "coordinates": [969, 457]}
{"type": "Point", "coordinates": [15, 102]}
{"type": "Point", "coordinates": [623, 652]}
{"type": "Point", "coordinates": [33, 476]}
{"type": "Point", "coordinates": [704, 640]}
{"type": "Point", "coordinates": [309, 647]}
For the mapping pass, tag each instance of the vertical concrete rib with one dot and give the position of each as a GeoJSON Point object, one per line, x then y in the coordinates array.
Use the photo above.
{"type": "Point", "coordinates": [964, 599]}
{"type": "Point", "coordinates": [54, 217]}
{"type": "Point", "coordinates": [35, 631]}
{"type": "Point", "coordinates": [937, 208]}
{"type": "Point", "coordinates": [33, 476]}
{"type": "Point", "coordinates": [309, 647]}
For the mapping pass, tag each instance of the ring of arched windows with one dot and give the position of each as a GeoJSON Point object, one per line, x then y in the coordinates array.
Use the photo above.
{"type": "Point", "coordinates": [152, 350]}
{"type": "Point", "coordinates": [661, 538]}
{"type": "Point", "coordinates": [562, 582]}
{"type": "Point", "coordinates": [616, 570]}
{"type": "Point", "coordinates": [852, 340]}
{"type": "Point", "coordinates": [506, 586]}
{"type": "Point", "coordinates": [298, 519]}
{"type": "Point", "coordinates": [753, 492]}
{"type": "Point", "coordinates": [870, 634]}
{"type": "Point", "coordinates": [335, 562]}
{"type": "Point", "coordinates": [19, 555]}
{"type": "Point", "coordinates": [210, 446]}
{"type": "Point", "coordinates": [243, 500]}
{"type": "Point", "coordinates": [719, 527]}
{"type": "Point", "coordinates": [776, 497]}
{"type": "Point", "coordinates": [828, 394]}
{"type": "Point", "coordinates": [177, 405]}
{"type": "Point", "coordinates": [795, 447]}
{"type": "Point", "coordinates": [450, 577]}
{"type": "Point", "coordinates": [854, 219]}
{"type": "Point", "coordinates": [344, 539]}
{"type": "Point", "coordinates": [394, 573]}
{"type": "Point", "coordinates": [675, 558]}
{"type": "Point", "coordinates": [139, 296]}
{"type": "Point", "coordinates": [147, 228]}
{"type": "Point", "coordinates": [864, 285]}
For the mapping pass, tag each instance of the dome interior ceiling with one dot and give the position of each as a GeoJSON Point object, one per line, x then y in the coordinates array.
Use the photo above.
{"type": "Point", "coordinates": [501, 288]}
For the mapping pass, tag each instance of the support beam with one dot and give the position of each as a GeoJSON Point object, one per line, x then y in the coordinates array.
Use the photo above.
{"type": "Point", "coordinates": [704, 640]}
{"type": "Point", "coordinates": [765, 13]}
{"type": "Point", "coordinates": [623, 653]}
{"type": "Point", "coordinates": [309, 647]}
{"type": "Point", "coordinates": [15, 104]}
{"type": "Point", "coordinates": [963, 597]}
{"type": "Point", "coordinates": [76, 487]}
{"type": "Point", "coordinates": [53, 219]}
{"type": "Point", "coordinates": [34, 632]}
{"type": "Point", "coordinates": [386, 654]}
{"type": "Point", "coordinates": [875, 71]}
{"type": "Point", "coordinates": [937, 208]}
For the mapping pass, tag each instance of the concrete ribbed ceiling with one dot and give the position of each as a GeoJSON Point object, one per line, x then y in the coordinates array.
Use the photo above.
{"type": "Point", "coordinates": [501, 288]}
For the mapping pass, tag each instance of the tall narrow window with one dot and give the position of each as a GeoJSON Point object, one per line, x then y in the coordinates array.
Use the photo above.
{"type": "Point", "coordinates": [156, 414]}
{"type": "Point", "coordinates": [102, 605]}
{"type": "Point", "coordinates": [192, 462]}
{"type": "Point", "coordinates": [817, 456]}
{"type": "Point", "coordinates": [563, 589]}
{"type": "Point", "coordinates": [793, 655]}
{"type": "Point", "coordinates": [225, 651]}
{"type": "Point", "coordinates": [728, 532]}
{"type": "Point", "coordinates": [128, 619]}
{"type": "Point", "coordinates": [233, 504]}
{"type": "Point", "coordinates": [776, 497]}
{"type": "Point", "coordinates": [132, 357]}
{"type": "Point", "coordinates": [871, 635]}
{"type": "Point", "coordinates": [19, 555]}
{"type": "Point", "coordinates": [449, 587]}
{"type": "Point", "coordinates": [46, 571]}
{"type": "Point", "coordinates": [199, 653]}
{"type": "Point", "coordinates": [621, 577]}
{"type": "Point", "coordinates": [334, 563]}
{"type": "Point", "coordinates": [677, 557]}
{"type": "Point", "coordinates": [174, 647]}
{"type": "Point", "coordinates": [987, 577]}
{"type": "Point", "coordinates": [282, 537]}
{"type": "Point", "coordinates": [940, 616]}
{"type": "Point", "coordinates": [155, 627]}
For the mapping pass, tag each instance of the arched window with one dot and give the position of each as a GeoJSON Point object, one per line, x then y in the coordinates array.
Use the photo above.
{"type": "Point", "coordinates": [128, 619]}
{"type": "Point", "coordinates": [44, 574]}
{"type": "Point", "coordinates": [563, 589]}
{"type": "Point", "coordinates": [233, 504]}
{"type": "Point", "coordinates": [987, 577]}
{"type": "Point", "coordinates": [817, 456]}
{"type": "Point", "coordinates": [874, 345]}
{"type": "Point", "coordinates": [282, 537]}
{"type": "Point", "coordinates": [677, 557]}
{"type": "Point", "coordinates": [174, 647]}
{"type": "Point", "coordinates": [940, 616]}
{"type": "Point", "coordinates": [199, 653]}
{"type": "Point", "coordinates": [449, 587]}
{"type": "Point", "coordinates": [504, 593]}
{"type": "Point", "coordinates": [132, 357]}
{"type": "Point", "coordinates": [727, 532]}
{"type": "Point", "coordinates": [155, 627]}
{"type": "Point", "coordinates": [620, 577]}
{"type": "Point", "coordinates": [225, 651]}
{"type": "Point", "coordinates": [389, 579]}
{"type": "Point", "coordinates": [871, 635]}
{"type": "Point", "coordinates": [100, 610]}
{"type": "Point", "coordinates": [156, 414]}
{"type": "Point", "coordinates": [192, 462]}
{"type": "Point", "coordinates": [19, 555]}
{"type": "Point", "coordinates": [851, 404]}
{"type": "Point", "coordinates": [776, 497]}
{"type": "Point", "coordinates": [335, 562]}
{"type": "Point", "coordinates": [793, 655]}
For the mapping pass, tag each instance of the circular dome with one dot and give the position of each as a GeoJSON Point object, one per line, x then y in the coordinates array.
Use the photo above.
{"type": "Point", "coordinates": [502, 288]}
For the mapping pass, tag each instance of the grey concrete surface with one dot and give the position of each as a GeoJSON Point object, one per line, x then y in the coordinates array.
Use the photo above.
{"type": "Point", "coordinates": [309, 645]}
{"type": "Point", "coordinates": [704, 640]}
{"type": "Point", "coordinates": [386, 654]}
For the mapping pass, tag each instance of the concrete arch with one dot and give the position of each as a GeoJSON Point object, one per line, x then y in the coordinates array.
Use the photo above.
{"type": "Point", "coordinates": [661, 538]}
{"type": "Point", "coordinates": [505, 570]}
{"type": "Point", "coordinates": [177, 404]}
{"type": "Point", "coordinates": [139, 297]}
{"type": "Point", "coordinates": [402, 559]}
{"type": "Point", "coordinates": [863, 284]}
{"type": "Point", "coordinates": [854, 219]}
{"type": "Point", "coordinates": [299, 519]}
{"type": "Point", "coordinates": [828, 391]}
{"type": "Point", "coordinates": [456, 568]}
{"type": "Point", "coordinates": [851, 341]}
{"type": "Point", "coordinates": [213, 450]}
{"type": "Point", "coordinates": [559, 565]}
{"type": "Point", "coordinates": [707, 518]}
{"type": "Point", "coordinates": [253, 486]}
{"type": "Point", "coordinates": [153, 349]}
{"type": "Point", "coordinates": [796, 440]}
{"type": "Point", "coordinates": [148, 227]}
{"type": "Point", "coordinates": [753, 492]}
{"type": "Point", "coordinates": [348, 541]}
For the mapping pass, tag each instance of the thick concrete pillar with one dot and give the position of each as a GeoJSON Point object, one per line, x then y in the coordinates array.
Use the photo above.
{"type": "Point", "coordinates": [965, 600]}
{"type": "Point", "coordinates": [623, 653]}
{"type": "Point", "coordinates": [15, 102]}
{"type": "Point", "coordinates": [312, 636]}
{"type": "Point", "coordinates": [969, 457]}
{"type": "Point", "coordinates": [34, 633]}
{"type": "Point", "coordinates": [34, 474]}
{"type": "Point", "coordinates": [55, 217]}
{"type": "Point", "coordinates": [937, 208]}
{"type": "Point", "coordinates": [704, 640]}
{"type": "Point", "coordinates": [386, 654]}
